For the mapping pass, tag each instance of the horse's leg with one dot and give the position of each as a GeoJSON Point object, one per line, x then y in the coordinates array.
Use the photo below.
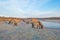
{"type": "Point", "coordinates": [37, 26]}
{"type": "Point", "coordinates": [9, 22]}
{"type": "Point", "coordinates": [15, 24]}
{"type": "Point", "coordinates": [41, 26]}
{"type": "Point", "coordinates": [32, 25]}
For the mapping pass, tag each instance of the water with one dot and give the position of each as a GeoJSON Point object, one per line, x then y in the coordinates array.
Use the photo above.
{"type": "Point", "coordinates": [50, 24]}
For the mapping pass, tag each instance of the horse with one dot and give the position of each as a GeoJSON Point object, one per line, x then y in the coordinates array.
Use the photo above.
{"type": "Point", "coordinates": [14, 22]}
{"type": "Point", "coordinates": [35, 23]}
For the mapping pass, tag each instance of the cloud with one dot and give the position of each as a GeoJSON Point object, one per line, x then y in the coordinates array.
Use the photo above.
{"type": "Point", "coordinates": [24, 8]}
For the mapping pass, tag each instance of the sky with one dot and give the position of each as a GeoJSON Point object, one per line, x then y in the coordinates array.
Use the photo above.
{"type": "Point", "coordinates": [30, 8]}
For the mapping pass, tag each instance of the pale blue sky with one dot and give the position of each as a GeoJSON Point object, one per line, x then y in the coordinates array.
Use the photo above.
{"type": "Point", "coordinates": [30, 8]}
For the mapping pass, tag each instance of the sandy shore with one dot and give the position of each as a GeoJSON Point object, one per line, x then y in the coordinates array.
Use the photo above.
{"type": "Point", "coordinates": [25, 32]}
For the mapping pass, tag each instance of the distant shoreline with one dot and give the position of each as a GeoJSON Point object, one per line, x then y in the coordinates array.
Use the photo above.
{"type": "Point", "coordinates": [49, 19]}
{"type": "Point", "coordinates": [56, 21]}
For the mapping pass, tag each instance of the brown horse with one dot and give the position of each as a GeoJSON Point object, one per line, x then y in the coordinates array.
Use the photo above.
{"type": "Point", "coordinates": [36, 24]}
{"type": "Point", "coordinates": [14, 22]}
